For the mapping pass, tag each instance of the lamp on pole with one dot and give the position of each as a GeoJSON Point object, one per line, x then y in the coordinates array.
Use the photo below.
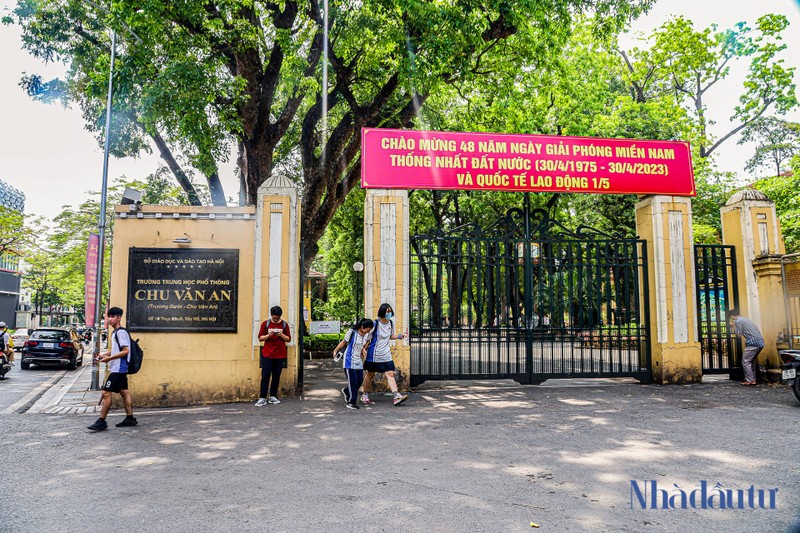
{"type": "Point", "coordinates": [101, 221]}
{"type": "Point", "coordinates": [358, 267]}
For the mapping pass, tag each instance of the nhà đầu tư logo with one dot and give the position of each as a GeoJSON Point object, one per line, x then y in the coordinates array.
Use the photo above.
{"type": "Point", "coordinates": [649, 495]}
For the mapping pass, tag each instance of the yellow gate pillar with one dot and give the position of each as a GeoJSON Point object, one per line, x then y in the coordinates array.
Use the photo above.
{"type": "Point", "coordinates": [665, 223]}
{"type": "Point", "coordinates": [386, 267]}
{"type": "Point", "coordinates": [750, 223]}
{"type": "Point", "coordinates": [277, 268]}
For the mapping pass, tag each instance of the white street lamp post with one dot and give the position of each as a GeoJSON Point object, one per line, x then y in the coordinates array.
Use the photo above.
{"type": "Point", "coordinates": [358, 267]}
{"type": "Point", "coordinates": [101, 221]}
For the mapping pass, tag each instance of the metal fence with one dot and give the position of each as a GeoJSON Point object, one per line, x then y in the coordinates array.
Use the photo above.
{"type": "Point", "coordinates": [717, 291]}
{"type": "Point", "coordinates": [529, 300]}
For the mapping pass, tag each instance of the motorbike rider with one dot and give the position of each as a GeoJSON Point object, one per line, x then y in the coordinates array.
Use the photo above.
{"type": "Point", "coordinates": [5, 343]}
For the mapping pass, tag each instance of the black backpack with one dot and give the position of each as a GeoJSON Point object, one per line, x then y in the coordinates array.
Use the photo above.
{"type": "Point", "coordinates": [135, 353]}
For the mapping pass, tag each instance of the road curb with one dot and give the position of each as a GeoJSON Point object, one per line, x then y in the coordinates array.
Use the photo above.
{"type": "Point", "coordinates": [33, 396]}
{"type": "Point", "coordinates": [48, 401]}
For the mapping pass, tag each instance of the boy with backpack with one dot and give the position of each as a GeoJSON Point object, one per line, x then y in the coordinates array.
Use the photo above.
{"type": "Point", "coordinates": [117, 380]}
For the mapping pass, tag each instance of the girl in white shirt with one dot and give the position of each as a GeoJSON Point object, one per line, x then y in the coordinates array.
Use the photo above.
{"type": "Point", "coordinates": [379, 355]}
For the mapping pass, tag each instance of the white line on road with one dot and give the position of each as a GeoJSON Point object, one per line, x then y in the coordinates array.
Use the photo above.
{"type": "Point", "coordinates": [41, 389]}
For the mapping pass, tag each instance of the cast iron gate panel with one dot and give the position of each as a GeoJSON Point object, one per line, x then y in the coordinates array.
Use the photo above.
{"type": "Point", "coordinates": [717, 291]}
{"type": "Point", "coordinates": [485, 305]}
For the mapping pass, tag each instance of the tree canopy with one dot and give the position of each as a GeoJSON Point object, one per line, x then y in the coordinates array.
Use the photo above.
{"type": "Point", "coordinates": [683, 64]}
{"type": "Point", "coordinates": [199, 76]}
{"type": "Point", "coordinates": [777, 140]}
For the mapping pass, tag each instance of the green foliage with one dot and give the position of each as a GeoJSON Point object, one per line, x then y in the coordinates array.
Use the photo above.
{"type": "Point", "coordinates": [159, 189]}
{"type": "Point", "coordinates": [19, 232]}
{"type": "Point", "coordinates": [776, 141]}
{"type": "Point", "coordinates": [198, 78]}
{"type": "Point", "coordinates": [785, 192]}
{"type": "Point", "coordinates": [675, 70]}
{"type": "Point", "coordinates": [342, 246]}
{"type": "Point", "coordinates": [11, 229]}
{"type": "Point", "coordinates": [323, 342]}
{"type": "Point", "coordinates": [706, 234]}
{"type": "Point", "coordinates": [717, 188]}
{"type": "Point", "coordinates": [681, 64]}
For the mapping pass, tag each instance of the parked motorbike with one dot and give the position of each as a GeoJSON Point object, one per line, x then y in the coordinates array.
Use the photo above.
{"type": "Point", "coordinates": [5, 364]}
{"type": "Point", "coordinates": [791, 369]}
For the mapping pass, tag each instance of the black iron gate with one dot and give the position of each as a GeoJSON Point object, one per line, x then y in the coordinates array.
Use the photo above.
{"type": "Point", "coordinates": [717, 291]}
{"type": "Point", "coordinates": [529, 300]}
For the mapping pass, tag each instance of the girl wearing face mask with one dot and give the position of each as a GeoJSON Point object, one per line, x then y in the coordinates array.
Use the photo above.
{"type": "Point", "coordinates": [379, 355]}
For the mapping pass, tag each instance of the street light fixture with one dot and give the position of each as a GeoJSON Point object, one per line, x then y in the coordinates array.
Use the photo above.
{"type": "Point", "coordinates": [358, 267]}
{"type": "Point", "coordinates": [101, 221]}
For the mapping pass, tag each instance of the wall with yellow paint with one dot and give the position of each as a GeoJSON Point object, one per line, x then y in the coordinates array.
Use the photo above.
{"type": "Point", "coordinates": [191, 368]}
{"type": "Point", "coordinates": [386, 220]}
{"type": "Point", "coordinates": [277, 270]}
{"type": "Point", "coordinates": [665, 223]}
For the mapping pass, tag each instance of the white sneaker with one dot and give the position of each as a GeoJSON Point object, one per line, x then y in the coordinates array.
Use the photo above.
{"type": "Point", "coordinates": [261, 402]}
{"type": "Point", "coordinates": [274, 400]}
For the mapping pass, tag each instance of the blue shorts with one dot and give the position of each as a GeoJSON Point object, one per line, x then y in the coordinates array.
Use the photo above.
{"type": "Point", "coordinates": [371, 366]}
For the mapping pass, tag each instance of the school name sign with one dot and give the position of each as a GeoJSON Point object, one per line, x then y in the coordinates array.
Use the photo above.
{"type": "Point", "coordinates": [405, 159]}
{"type": "Point", "coordinates": [179, 290]}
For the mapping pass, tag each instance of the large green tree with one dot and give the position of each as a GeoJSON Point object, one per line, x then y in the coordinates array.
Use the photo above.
{"type": "Point", "coordinates": [18, 231]}
{"type": "Point", "coordinates": [784, 190]}
{"type": "Point", "coordinates": [12, 230]}
{"type": "Point", "coordinates": [684, 64]}
{"type": "Point", "coordinates": [63, 281]}
{"type": "Point", "coordinates": [200, 75]}
{"type": "Point", "coordinates": [776, 140]}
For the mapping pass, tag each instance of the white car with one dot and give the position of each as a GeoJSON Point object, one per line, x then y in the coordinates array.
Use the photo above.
{"type": "Point", "coordinates": [19, 337]}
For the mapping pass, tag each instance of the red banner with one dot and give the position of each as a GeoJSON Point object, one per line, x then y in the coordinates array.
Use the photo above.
{"type": "Point", "coordinates": [90, 289]}
{"type": "Point", "coordinates": [406, 159]}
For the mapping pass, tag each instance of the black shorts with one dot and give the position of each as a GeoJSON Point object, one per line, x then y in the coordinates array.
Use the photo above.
{"type": "Point", "coordinates": [116, 382]}
{"type": "Point", "coordinates": [379, 367]}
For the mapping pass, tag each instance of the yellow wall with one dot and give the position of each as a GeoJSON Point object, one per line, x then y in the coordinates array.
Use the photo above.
{"type": "Point", "coordinates": [191, 368]}
{"type": "Point", "coordinates": [733, 234]}
{"type": "Point", "coordinates": [773, 312]}
{"type": "Point", "coordinates": [672, 361]}
{"type": "Point", "coordinates": [765, 215]}
{"type": "Point", "coordinates": [288, 267]}
{"type": "Point", "coordinates": [401, 352]}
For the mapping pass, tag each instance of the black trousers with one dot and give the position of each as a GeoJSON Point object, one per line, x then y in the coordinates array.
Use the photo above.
{"type": "Point", "coordinates": [271, 368]}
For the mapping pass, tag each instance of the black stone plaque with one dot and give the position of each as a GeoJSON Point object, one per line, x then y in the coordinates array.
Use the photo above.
{"type": "Point", "coordinates": [182, 290]}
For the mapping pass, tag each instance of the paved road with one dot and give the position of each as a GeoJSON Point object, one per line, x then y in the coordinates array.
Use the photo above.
{"type": "Point", "coordinates": [21, 387]}
{"type": "Point", "coordinates": [468, 456]}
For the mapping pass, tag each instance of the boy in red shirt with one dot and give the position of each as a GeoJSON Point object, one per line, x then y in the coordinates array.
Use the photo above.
{"type": "Point", "coordinates": [274, 333]}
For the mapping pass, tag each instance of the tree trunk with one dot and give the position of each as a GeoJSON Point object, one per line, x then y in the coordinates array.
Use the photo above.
{"type": "Point", "coordinates": [177, 171]}
{"type": "Point", "coordinates": [216, 190]}
{"type": "Point", "coordinates": [256, 160]}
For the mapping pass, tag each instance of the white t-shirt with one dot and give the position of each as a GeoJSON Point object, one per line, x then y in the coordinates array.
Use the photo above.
{"type": "Point", "coordinates": [383, 353]}
{"type": "Point", "coordinates": [352, 354]}
{"type": "Point", "coordinates": [119, 365]}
